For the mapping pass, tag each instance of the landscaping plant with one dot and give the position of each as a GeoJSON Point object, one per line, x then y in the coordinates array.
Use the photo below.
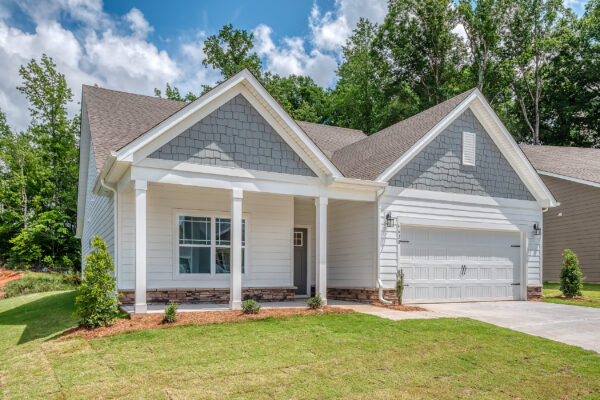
{"type": "Point", "coordinates": [571, 278]}
{"type": "Point", "coordinates": [250, 307]}
{"type": "Point", "coordinates": [399, 285]}
{"type": "Point", "coordinates": [36, 282]}
{"type": "Point", "coordinates": [314, 302]}
{"type": "Point", "coordinates": [97, 303]}
{"type": "Point", "coordinates": [171, 312]}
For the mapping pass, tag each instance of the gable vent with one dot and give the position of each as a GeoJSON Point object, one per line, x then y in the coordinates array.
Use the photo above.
{"type": "Point", "coordinates": [468, 148]}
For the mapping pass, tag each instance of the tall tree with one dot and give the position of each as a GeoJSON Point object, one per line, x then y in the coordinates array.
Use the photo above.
{"type": "Point", "coordinates": [230, 51]}
{"type": "Point", "coordinates": [419, 44]}
{"type": "Point", "coordinates": [300, 96]}
{"type": "Point", "coordinates": [172, 93]}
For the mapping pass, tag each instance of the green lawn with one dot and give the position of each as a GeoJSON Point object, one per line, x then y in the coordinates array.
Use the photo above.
{"type": "Point", "coordinates": [329, 356]}
{"type": "Point", "coordinates": [591, 291]}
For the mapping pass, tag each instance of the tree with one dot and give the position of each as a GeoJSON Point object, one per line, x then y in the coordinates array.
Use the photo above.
{"type": "Point", "coordinates": [300, 96]}
{"type": "Point", "coordinates": [231, 51]}
{"type": "Point", "coordinates": [420, 48]}
{"type": "Point", "coordinates": [172, 93]}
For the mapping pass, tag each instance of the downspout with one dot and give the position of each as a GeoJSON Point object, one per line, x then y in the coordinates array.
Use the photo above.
{"type": "Point", "coordinates": [115, 220]}
{"type": "Point", "coordinates": [378, 249]}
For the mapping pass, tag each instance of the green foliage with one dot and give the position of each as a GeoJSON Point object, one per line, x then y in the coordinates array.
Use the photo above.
{"type": "Point", "coordinates": [171, 312]}
{"type": "Point", "coordinates": [97, 303]}
{"type": "Point", "coordinates": [314, 302]}
{"type": "Point", "coordinates": [571, 278]}
{"type": "Point", "coordinates": [399, 285]}
{"type": "Point", "coordinates": [250, 307]}
{"type": "Point", "coordinates": [36, 282]}
{"type": "Point", "coordinates": [300, 96]}
{"type": "Point", "coordinates": [172, 93]}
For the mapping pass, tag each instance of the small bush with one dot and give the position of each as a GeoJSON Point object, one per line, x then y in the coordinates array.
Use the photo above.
{"type": "Point", "coordinates": [571, 278]}
{"type": "Point", "coordinates": [314, 302]}
{"type": "Point", "coordinates": [97, 303]}
{"type": "Point", "coordinates": [171, 312]}
{"type": "Point", "coordinates": [399, 285]}
{"type": "Point", "coordinates": [37, 282]}
{"type": "Point", "coordinates": [250, 307]}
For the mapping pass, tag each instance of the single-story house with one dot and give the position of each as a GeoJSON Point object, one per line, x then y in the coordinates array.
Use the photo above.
{"type": "Point", "coordinates": [227, 198]}
{"type": "Point", "coordinates": [573, 176]}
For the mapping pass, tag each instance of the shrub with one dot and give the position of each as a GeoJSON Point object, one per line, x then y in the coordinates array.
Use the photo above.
{"type": "Point", "coordinates": [314, 302]}
{"type": "Point", "coordinates": [36, 282]}
{"type": "Point", "coordinates": [97, 303]}
{"type": "Point", "coordinates": [571, 277]}
{"type": "Point", "coordinates": [399, 285]}
{"type": "Point", "coordinates": [171, 312]}
{"type": "Point", "coordinates": [250, 307]}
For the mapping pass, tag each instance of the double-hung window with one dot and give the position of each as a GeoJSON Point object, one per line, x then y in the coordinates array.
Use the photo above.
{"type": "Point", "coordinates": [204, 250]}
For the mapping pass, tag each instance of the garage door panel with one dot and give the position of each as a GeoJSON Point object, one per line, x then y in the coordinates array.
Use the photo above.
{"type": "Point", "coordinates": [443, 264]}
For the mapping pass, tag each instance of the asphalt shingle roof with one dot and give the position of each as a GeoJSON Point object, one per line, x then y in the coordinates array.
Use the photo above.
{"type": "Point", "coordinates": [575, 162]}
{"type": "Point", "coordinates": [330, 138]}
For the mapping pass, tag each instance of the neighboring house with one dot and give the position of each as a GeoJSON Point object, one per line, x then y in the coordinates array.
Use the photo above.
{"type": "Point", "coordinates": [573, 176]}
{"type": "Point", "coordinates": [228, 197]}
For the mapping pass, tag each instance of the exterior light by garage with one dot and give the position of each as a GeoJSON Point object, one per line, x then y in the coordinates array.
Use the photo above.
{"type": "Point", "coordinates": [389, 221]}
{"type": "Point", "coordinates": [536, 229]}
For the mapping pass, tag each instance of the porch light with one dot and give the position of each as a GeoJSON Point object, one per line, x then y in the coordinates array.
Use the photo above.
{"type": "Point", "coordinates": [389, 221]}
{"type": "Point", "coordinates": [536, 229]}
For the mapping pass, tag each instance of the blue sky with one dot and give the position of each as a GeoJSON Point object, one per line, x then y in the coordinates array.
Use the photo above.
{"type": "Point", "coordinates": [137, 46]}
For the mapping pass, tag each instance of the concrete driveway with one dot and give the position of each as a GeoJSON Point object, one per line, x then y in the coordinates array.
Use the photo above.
{"type": "Point", "coordinates": [574, 325]}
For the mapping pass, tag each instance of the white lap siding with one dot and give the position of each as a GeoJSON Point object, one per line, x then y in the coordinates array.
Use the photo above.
{"type": "Point", "coordinates": [351, 238]}
{"type": "Point", "coordinates": [269, 223]}
{"type": "Point", "coordinates": [99, 220]}
{"type": "Point", "coordinates": [463, 212]}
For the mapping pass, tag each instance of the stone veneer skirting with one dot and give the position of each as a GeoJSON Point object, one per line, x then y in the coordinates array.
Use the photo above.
{"type": "Point", "coordinates": [361, 295]}
{"type": "Point", "coordinates": [534, 292]}
{"type": "Point", "coordinates": [209, 295]}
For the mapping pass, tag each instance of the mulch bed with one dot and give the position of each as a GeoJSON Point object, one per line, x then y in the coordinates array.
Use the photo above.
{"type": "Point", "coordinates": [155, 321]}
{"type": "Point", "coordinates": [399, 307]}
{"type": "Point", "coordinates": [6, 275]}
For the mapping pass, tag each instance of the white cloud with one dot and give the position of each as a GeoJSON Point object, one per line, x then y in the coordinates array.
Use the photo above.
{"type": "Point", "coordinates": [138, 24]}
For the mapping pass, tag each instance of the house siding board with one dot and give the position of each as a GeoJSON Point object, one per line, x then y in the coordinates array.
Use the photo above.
{"type": "Point", "coordinates": [439, 166]}
{"type": "Point", "coordinates": [351, 237]}
{"type": "Point", "coordinates": [269, 237]}
{"type": "Point", "coordinates": [577, 229]}
{"type": "Point", "coordinates": [99, 220]}
{"type": "Point", "coordinates": [452, 213]}
{"type": "Point", "coordinates": [236, 136]}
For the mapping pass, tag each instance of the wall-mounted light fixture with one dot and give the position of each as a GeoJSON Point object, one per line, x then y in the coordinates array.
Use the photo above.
{"type": "Point", "coordinates": [389, 221]}
{"type": "Point", "coordinates": [537, 230]}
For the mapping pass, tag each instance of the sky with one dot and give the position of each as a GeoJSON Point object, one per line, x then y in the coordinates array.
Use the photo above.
{"type": "Point", "coordinates": [138, 46]}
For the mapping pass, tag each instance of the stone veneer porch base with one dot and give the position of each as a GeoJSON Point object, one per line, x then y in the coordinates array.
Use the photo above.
{"type": "Point", "coordinates": [209, 295]}
{"type": "Point", "coordinates": [534, 292]}
{"type": "Point", "coordinates": [361, 295]}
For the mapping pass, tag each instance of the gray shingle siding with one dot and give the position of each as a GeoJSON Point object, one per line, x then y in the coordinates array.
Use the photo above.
{"type": "Point", "coordinates": [235, 135]}
{"type": "Point", "coordinates": [439, 165]}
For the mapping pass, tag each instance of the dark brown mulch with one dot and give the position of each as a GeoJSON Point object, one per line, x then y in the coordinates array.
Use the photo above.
{"type": "Point", "coordinates": [399, 307]}
{"type": "Point", "coordinates": [155, 321]}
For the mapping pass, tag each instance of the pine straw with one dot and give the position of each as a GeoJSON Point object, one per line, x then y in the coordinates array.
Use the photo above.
{"type": "Point", "coordinates": [155, 321]}
{"type": "Point", "coordinates": [398, 307]}
{"type": "Point", "coordinates": [6, 276]}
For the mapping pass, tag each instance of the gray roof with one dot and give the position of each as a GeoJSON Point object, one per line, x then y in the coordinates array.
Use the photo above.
{"type": "Point", "coordinates": [117, 118]}
{"type": "Point", "coordinates": [371, 156]}
{"type": "Point", "coordinates": [574, 162]}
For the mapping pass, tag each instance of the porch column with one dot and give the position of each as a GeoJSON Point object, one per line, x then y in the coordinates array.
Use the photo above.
{"type": "Point", "coordinates": [321, 250]}
{"type": "Point", "coordinates": [140, 246]}
{"type": "Point", "coordinates": [235, 286]}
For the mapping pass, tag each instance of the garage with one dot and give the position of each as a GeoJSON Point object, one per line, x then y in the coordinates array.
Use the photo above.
{"type": "Point", "coordinates": [445, 265]}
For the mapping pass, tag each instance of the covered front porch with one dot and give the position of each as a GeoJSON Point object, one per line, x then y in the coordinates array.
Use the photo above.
{"type": "Point", "coordinates": [210, 248]}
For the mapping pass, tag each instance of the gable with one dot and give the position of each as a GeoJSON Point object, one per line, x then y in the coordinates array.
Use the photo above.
{"type": "Point", "coordinates": [439, 166]}
{"type": "Point", "coordinates": [234, 135]}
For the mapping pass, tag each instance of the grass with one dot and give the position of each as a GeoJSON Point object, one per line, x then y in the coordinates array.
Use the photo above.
{"type": "Point", "coordinates": [37, 282]}
{"type": "Point", "coordinates": [591, 292]}
{"type": "Point", "coordinates": [330, 356]}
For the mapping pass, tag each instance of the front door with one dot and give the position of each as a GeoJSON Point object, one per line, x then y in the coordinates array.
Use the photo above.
{"type": "Point", "coordinates": [300, 260]}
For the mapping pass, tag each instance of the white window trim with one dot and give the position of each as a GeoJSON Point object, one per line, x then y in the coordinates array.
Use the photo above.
{"type": "Point", "coordinates": [465, 160]}
{"type": "Point", "coordinates": [212, 276]}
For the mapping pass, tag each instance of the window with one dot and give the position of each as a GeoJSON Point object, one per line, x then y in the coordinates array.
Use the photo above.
{"type": "Point", "coordinates": [197, 242]}
{"type": "Point", "coordinates": [299, 239]}
{"type": "Point", "coordinates": [468, 148]}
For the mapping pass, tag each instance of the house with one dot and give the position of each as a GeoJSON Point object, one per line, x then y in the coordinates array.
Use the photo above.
{"type": "Point", "coordinates": [228, 197]}
{"type": "Point", "coordinates": [573, 176]}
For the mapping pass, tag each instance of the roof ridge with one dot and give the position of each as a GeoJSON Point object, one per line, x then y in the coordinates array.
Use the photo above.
{"type": "Point", "coordinates": [94, 87]}
{"type": "Point", "coordinates": [331, 126]}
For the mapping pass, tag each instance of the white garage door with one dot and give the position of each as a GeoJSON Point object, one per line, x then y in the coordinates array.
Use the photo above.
{"type": "Point", "coordinates": [459, 265]}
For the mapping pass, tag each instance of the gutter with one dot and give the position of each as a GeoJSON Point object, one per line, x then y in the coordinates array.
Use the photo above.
{"type": "Point", "coordinates": [115, 221]}
{"type": "Point", "coordinates": [378, 248]}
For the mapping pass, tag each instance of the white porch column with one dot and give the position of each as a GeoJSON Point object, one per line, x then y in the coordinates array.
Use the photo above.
{"type": "Point", "coordinates": [236, 250]}
{"type": "Point", "coordinates": [140, 246]}
{"type": "Point", "coordinates": [321, 250]}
